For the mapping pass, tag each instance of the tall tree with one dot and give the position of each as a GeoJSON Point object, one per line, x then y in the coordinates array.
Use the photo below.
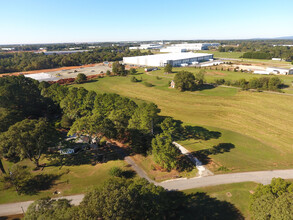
{"type": "Point", "coordinates": [130, 199]}
{"type": "Point", "coordinates": [184, 81]}
{"type": "Point", "coordinates": [164, 152]}
{"type": "Point", "coordinates": [47, 208]}
{"type": "Point", "coordinates": [28, 139]}
{"type": "Point", "coordinates": [168, 68]}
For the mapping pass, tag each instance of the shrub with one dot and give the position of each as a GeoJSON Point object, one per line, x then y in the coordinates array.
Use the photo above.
{"type": "Point", "coordinates": [81, 77]}
{"type": "Point", "coordinates": [132, 71]}
{"type": "Point", "coordinates": [133, 79]}
{"type": "Point", "coordinates": [115, 171]}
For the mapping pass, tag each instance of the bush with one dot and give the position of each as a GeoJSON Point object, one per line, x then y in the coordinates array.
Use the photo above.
{"type": "Point", "coordinates": [115, 171]}
{"type": "Point", "coordinates": [132, 71]}
{"type": "Point", "coordinates": [220, 81]}
{"type": "Point", "coordinates": [133, 79]}
{"type": "Point", "coordinates": [81, 77]}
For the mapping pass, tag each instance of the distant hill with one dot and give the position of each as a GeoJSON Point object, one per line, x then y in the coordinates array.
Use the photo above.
{"type": "Point", "coordinates": [285, 38]}
{"type": "Point", "coordinates": [274, 38]}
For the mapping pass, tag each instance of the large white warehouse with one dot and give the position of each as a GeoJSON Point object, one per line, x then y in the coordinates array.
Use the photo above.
{"type": "Point", "coordinates": [175, 59]}
{"type": "Point", "coordinates": [186, 46]}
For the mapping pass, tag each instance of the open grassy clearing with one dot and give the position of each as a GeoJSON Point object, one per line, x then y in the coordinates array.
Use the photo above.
{"type": "Point", "coordinates": [236, 193]}
{"type": "Point", "coordinates": [258, 124]}
{"type": "Point", "coordinates": [218, 54]}
{"type": "Point", "coordinates": [73, 180]}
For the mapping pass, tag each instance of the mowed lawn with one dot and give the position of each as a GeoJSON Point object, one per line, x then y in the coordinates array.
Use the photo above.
{"type": "Point", "coordinates": [237, 193]}
{"type": "Point", "coordinates": [73, 179]}
{"type": "Point", "coordinates": [260, 125]}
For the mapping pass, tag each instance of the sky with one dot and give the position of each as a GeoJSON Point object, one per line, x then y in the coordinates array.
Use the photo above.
{"type": "Point", "coordinates": [57, 21]}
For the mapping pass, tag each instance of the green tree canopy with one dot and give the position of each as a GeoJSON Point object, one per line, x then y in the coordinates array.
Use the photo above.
{"type": "Point", "coordinates": [81, 77]}
{"type": "Point", "coordinates": [28, 139]}
{"type": "Point", "coordinates": [19, 93]}
{"type": "Point", "coordinates": [184, 81]}
{"type": "Point", "coordinates": [164, 152]}
{"type": "Point", "coordinates": [130, 199]}
{"type": "Point", "coordinates": [273, 201]}
{"type": "Point", "coordinates": [168, 68]}
{"type": "Point", "coordinates": [50, 209]}
{"type": "Point", "coordinates": [118, 69]}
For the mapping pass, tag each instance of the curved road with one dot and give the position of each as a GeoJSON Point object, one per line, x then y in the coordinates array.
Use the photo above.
{"type": "Point", "coordinates": [263, 177]}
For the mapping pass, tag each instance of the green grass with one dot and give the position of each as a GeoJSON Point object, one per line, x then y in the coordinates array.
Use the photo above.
{"type": "Point", "coordinates": [260, 125]}
{"type": "Point", "coordinates": [236, 193]}
{"type": "Point", "coordinates": [222, 54]}
{"type": "Point", "coordinates": [79, 180]}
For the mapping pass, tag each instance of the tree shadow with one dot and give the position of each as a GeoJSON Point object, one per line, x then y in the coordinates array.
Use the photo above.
{"type": "Point", "coordinates": [38, 183]}
{"type": "Point", "coordinates": [205, 87]}
{"type": "Point", "coordinates": [202, 206]}
{"type": "Point", "coordinates": [128, 174]}
{"type": "Point", "coordinates": [203, 155]}
{"type": "Point", "coordinates": [196, 132]}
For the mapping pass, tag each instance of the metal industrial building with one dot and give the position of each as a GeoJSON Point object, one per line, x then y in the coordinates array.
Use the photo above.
{"type": "Point", "coordinates": [147, 47]}
{"type": "Point", "coordinates": [175, 59]}
{"type": "Point", "coordinates": [186, 46]}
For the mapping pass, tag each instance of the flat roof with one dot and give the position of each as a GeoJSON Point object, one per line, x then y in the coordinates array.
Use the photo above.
{"type": "Point", "coordinates": [175, 56]}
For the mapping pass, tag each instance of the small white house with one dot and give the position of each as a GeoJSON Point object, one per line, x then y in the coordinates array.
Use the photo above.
{"type": "Point", "coordinates": [172, 84]}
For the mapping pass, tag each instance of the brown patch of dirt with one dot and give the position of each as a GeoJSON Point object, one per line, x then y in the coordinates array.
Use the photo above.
{"type": "Point", "coordinates": [229, 194]}
{"type": "Point", "coordinates": [49, 70]}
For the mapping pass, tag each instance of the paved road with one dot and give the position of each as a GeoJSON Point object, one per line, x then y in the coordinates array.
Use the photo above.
{"type": "Point", "coordinates": [263, 177]}
{"type": "Point", "coordinates": [20, 207]}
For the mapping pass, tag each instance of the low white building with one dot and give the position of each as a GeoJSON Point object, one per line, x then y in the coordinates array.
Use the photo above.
{"type": "Point", "coordinates": [277, 59]}
{"type": "Point", "coordinates": [277, 70]}
{"type": "Point", "coordinates": [262, 72]}
{"type": "Point", "coordinates": [175, 59]}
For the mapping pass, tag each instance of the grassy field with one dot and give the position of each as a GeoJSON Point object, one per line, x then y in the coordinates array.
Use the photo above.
{"type": "Point", "coordinates": [236, 193]}
{"type": "Point", "coordinates": [258, 124]}
{"type": "Point", "coordinates": [217, 54]}
{"type": "Point", "coordinates": [73, 180]}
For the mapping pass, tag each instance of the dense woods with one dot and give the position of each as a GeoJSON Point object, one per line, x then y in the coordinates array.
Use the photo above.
{"type": "Point", "coordinates": [17, 62]}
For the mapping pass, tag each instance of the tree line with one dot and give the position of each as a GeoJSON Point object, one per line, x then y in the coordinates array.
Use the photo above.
{"type": "Point", "coordinates": [25, 61]}
{"type": "Point", "coordinates": [273, 83]}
